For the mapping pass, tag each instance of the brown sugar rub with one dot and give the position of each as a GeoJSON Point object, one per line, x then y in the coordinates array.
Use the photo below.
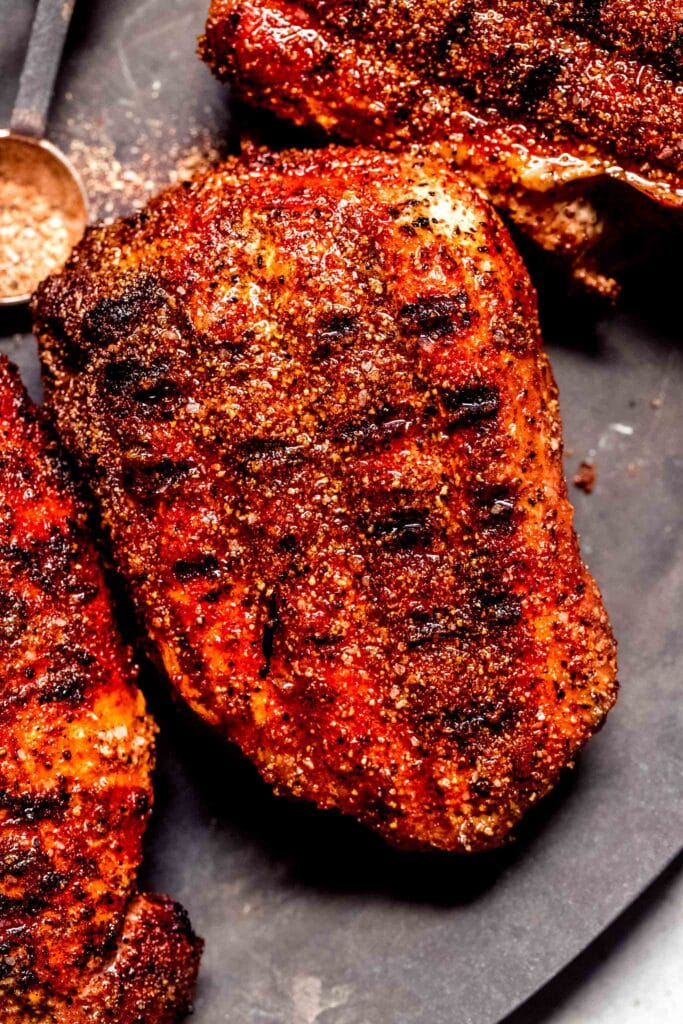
{"type": "Point", "coordinates": [78, 943]}
{"type": "Point", "coordinates": [310, 395]}
{"type": "Point", "coordinates": [543, 104]}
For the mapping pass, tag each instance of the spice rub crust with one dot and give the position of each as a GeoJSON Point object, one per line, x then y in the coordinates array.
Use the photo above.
{"type": "Point", "coordinates": [310, 394]}
{"type": "Point", "coordinates": [544, 104]}
{"type": "Point", "coordinates": [78, 943]}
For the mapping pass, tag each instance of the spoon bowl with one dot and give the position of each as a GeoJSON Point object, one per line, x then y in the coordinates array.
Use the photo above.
{"type": "Point", "coordinates": [43, 207]}
{"type": "Point", "coordinates": [43, 213]}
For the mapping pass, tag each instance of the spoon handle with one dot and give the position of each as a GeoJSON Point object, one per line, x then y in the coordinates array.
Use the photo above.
{"type": "Point", "coordinates": [38, 76]}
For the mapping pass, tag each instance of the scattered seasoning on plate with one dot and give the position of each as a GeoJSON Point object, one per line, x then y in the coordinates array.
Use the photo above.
{"type": "Point", "coordinates": [119, 185]}
{"type": "Point", "coordinates": [585, 478]}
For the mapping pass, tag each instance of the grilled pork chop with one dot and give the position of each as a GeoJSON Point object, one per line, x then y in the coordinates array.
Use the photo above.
{"type": "Point", "coordinates": [542, 103]}
{"type": "Point", "coordinates": [310, 394]}
{"type": "Point", "coordinates": [78, 944]}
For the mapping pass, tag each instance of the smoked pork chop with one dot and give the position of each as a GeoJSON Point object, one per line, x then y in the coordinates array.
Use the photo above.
{"type": "Point", "coordinates": [310, 395]}
{"type": "Point", "coordinates": [543, 103]}
{"type": "Point", "coordinates": [78, 943]}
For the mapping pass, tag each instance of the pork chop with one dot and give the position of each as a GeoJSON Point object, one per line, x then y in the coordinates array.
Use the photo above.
{"type": "Point", "coordinates": [545, 104]}
{"type": "Point", "coordinates": [310, 394]}
{"type": "Point", "coordinates": [78, 943]}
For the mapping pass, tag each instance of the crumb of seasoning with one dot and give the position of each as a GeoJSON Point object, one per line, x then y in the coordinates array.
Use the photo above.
{"type": "Point", "coordinates": [35, 236]}
{"type": "Point", "coordinates": [585, 478]}
{"type": "Point", "coordinates": [117, 186]}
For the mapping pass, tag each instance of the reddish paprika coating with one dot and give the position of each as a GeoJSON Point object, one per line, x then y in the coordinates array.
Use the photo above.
{"type": "Point", "coordinates": [310, 395]}
{"type": "Point", "coordinates": [544, 104]}
{"type": "Point", "coordinates": [78, 943]}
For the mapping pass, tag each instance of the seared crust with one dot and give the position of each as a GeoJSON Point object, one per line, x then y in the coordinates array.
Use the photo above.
{"type": "Point", "coordinates": [75, 760]}
{"type": "Point", "coordinates": [539, 114]}
{"type": "Point", "coordinates": [310, 394]}
{"type": "Point", "coordinates": [650, 31]}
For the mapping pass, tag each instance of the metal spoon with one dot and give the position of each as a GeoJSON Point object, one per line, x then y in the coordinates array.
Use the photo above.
{"type": "Point", "coordinates": [32, 167]}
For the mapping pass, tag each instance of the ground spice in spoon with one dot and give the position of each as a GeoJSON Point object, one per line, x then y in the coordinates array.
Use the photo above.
{"type": "Point", "coordinates": [35, 236]}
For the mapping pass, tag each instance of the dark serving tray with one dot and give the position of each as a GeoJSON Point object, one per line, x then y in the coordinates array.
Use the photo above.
{"type": "Point", "coordinates": [307, 917]}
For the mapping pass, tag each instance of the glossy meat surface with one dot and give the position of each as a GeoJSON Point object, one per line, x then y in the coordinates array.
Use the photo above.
{"type": "Point", "coordinates": [77, 942]}
{"type": "Point", "coordinates": [542, 103]}
{"type": "Point", "coordinates": [310, 394]}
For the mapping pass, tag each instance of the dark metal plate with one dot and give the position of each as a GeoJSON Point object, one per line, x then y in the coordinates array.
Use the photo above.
{"type": "Point", "coordinates": [307, 918]}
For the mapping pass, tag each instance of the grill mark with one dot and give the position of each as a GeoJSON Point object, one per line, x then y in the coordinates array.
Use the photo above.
{"type": "Point", "coordinates": [259, 454]}
{"type": "Point", "coordinates": [288, 543]}
{"type": "Point", "coordinates": [432, 630]}
{"type": "Point", "coordinates": [589, 10]}
{"type": "Point", "coordinates": [321, 352]}
{"type": "Point", "coordinates": [162, 390]}
{"type": "Point", "coordinates": [455, 30]}
{"type": "Point", "coordinates": [16, 859]}
{"type": "Point", "coordinates": [496, 505]}
{"type": "Point", "coordinates": [501, 608]}
{"type": "Point", "coordinates": [464, 721]}
{"type": "Point", "coordinates": [326, 639]}
{"type": "Point", "coordinates": [67, 343]}
{"type": "Point", "coordinates": [498, 608]}
{"type": "Point", "coordinates": [32, 807]}
{"type": "Point", "coordinates": [120, 374]}
{"type": "Point", "coordinates": [82, 592]}
{"type": "Point", "coordinates": [200, 567]}
{"type": "Point", "coordinates": [471, 404]}
{"type": "Point", "coordinates": [334, 326]}
{"type": "Point", "coordinates": [147, 480]}
{"type": "Point", "coordinates": [148, 384]}
{"type": "Point", "coordinates": [671, 58]}
{"type": "Point", "coordinates": [267, 448]}
{"type": "Point", "coordinates": [502, 508]}
{"type": "Point", "coordinates": [270, 627]}
{"type": "Point", "coordinates": [68, 685]}
{"type": "Point", "coordinates": [649, 41]}
{"type": "Point", "coordinates": [110, 319]}
{"type": "Point", "coordinates": [47, 562]}
{"type": "Point", "coordinates": [45, 884]}
{"type": "Point", "coordinates": [534, 88]}
{"type": "Point", "coordinates": [435, 316]}
{"type": "Point", "coordinates": [388, 422]}
{"type": "Point", "coordinates": [499, 516]}
{"type": "Point", "coordinates": [403, 528]}
{"type": "Point", "coordinates": [28, 904]}
{"type": "Point", "coordinates": [437, 624]}
{"type": "Point", "coordinates": [214, 595]}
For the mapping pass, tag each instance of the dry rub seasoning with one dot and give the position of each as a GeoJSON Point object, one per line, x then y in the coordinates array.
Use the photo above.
{"type": "Point", "coordinates": [585, 478]}
{"type": "Point", "coordinates": [42, 215]}
{"type": "Point", "coordinates": [35, 237]}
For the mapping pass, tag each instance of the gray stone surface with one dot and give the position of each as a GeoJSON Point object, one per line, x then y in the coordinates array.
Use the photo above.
{"type": "Point", "coordinates": [307, 918]}
{"type": "Point", "coordinates": [631, 974]}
